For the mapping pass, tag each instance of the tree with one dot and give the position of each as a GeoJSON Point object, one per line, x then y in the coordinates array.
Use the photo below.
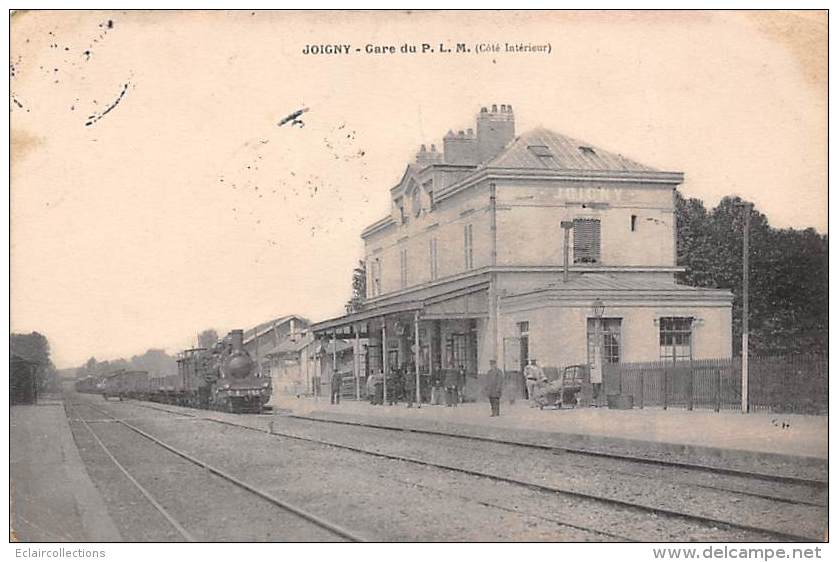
{"type": "Point", "coordinates": [35, 347]}
{"type": "Point", "coordinates": [154, 361]}
{"type": "Point", "coordinates": [359, 289]}
{"type": "Point", "coordinates": [788, 278]}
{"type": "Point", "coordinates": [207, 338]}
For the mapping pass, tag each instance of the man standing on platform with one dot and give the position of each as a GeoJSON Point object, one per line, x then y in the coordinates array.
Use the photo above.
{"type": "Point", "coordinates": [493, 387]}
{"type": "Point", "coordinates": [535, 377]}
{"type": "Point", "coordinates": [315, 386]}
{"type": "Point", "coordinates": [379, 388]}
{"type": "Point", "coordinates": [337, 380]}
{"type": "Point", "coordinates": [436, 385]}
{"type": "Point", "coordinates": [371, 388]}
{"type": "Point", "coordinates": [410, 385]}
{"type": "Point", "coordinates": [452, 379]}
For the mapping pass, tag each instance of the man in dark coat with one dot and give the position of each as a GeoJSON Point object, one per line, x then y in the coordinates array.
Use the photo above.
{"type": "Point", "coordinates": [410, 385]}
{"type": "Point", "coordinates": [371, 388]}
{"type": "Point", "coordinates": [395, 385]}
{"type": "Point", "coordinates": [493, 386]}
{"type": "Point", "coordinates": [452, 379]}
{"type": "Point", "coordinates": [436, 385]}
{"type": "Point", "coordinates": [337, 380]}
{"type": "Point", "coordinates": [379, 388]}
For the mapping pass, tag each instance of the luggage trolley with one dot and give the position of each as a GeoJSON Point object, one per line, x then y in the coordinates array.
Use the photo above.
{"type": "Point", "coordinates": [572, 388]}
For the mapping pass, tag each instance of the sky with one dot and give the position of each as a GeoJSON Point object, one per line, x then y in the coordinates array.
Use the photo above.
{"type": "Point", "coordinates": [154, 195]}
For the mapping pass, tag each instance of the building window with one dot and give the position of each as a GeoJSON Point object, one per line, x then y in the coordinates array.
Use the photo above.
{"type": "Point", "coordinates": [433, 258]}
{"type": "Point", "coordinates": [458, 351]}
{"type": "Point", "coordinates": [524, 328]}
{"type": "Point", "coordinates": [633, 223]}
{"type": "Point", "coordinates": [428, 186]}
{"type": "Point", "coordinates": [403, 256]}
{"type": "Point", "coordinates": [608, 345]}
{"type": "Point", "coordinates": [676, 338]}
{"type": "Point", "coordinates": [400, 205]}
{"type": "Point", "coordinates": [416, 202]}
{"type": "Point", "coordinates": [468, 247]}
{"type": "Point", "coordinates": [586, 241]}
{"type": "Point", "coordinates": [376, 273]}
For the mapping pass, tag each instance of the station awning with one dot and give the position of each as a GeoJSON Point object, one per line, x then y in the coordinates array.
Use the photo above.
{"type": "Point", "coordinates": [356, 317]}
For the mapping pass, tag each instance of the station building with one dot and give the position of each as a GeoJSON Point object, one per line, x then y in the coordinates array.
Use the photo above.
{"type": "Point", "coordinates": [534, 246]}
{"type": "Point", "coordinates": [264, 337]}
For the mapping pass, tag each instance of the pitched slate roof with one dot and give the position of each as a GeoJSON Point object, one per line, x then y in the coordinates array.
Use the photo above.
{"type": "Point", "coordinates": [260, 328]}
{"type": "Point", "coordinates": [330, 346]}
{"type": "Point", "coordinates": [288, 346]}
{"type": "Point", "coordinates": [584, 283]}
{"type": "Point", "coordinates": [611, 282]}
{"type": "Point", "coordinates": [541, 148]}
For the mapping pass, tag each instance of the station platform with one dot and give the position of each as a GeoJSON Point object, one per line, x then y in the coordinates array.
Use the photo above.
{"type": "Point", "coordinates": [52, 496]}
{"type": "Point", "coordinates": [785, 443]}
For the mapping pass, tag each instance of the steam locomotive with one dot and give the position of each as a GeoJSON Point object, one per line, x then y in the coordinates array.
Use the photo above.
{"type": "Point", "coordinates": [223, 377]}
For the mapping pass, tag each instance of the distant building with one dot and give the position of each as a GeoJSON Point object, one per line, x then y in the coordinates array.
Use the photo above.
{"type": "Point", "coordinates": [471, 260]}
{"type": "Point", "coordinates": [267, 335]}
{"type": "Point", "coordinates": [301, 365]}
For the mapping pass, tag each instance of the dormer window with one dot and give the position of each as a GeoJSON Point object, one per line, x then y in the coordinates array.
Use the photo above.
{"type": "Point", "coordinates": [540, 150]}
{"type": "Point", "coordinates": [543, 153]}
{"type": "Point", "coordinates": [587, 150]}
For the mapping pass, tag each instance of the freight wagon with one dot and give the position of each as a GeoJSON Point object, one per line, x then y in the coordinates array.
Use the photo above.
{"type": "Point", "coordinates": [126, 384]}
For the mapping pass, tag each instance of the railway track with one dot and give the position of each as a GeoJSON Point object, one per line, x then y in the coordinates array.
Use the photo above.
{"type": "Point", "coordinates": [548, 518]}
{"type": "Point", "coordinates": [320, 522]}
{"type": "Point", "coordinates": [778, 478]}
{"type": "Point", "coordinates": [658, 511]}
{"type": "Point", "coordinates": [814, 486]}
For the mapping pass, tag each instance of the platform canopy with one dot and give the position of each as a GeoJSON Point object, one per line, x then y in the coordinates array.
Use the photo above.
{"type": "Point", "coordinates": [350, 320]}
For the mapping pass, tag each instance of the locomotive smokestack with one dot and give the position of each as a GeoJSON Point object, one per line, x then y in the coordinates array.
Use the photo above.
{"type": "Point", "coordinates": [237, 339]}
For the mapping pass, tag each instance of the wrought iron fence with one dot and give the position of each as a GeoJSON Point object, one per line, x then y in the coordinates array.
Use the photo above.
{"type": "Point", "coordinates": [789, 383]}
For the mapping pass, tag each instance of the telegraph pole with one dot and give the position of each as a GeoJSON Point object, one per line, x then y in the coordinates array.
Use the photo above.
{"type": "Point", "coordinates": [746, 227]}
{"type": "Point", "coordinates": [384, 356]}
{"type": "Point", "coordinates": [416, 357]}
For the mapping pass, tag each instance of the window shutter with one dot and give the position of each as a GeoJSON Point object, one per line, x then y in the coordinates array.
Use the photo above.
{"type": "Point", "coordinates": [586, 241]}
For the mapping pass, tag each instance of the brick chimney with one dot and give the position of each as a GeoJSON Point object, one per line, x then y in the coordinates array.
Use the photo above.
{"type": "Point", "coordinates": [425, 156]}
{"type": "Point", "coordinates": [460, 148]}
{"type": "Point", "coordinates": [495, 130]}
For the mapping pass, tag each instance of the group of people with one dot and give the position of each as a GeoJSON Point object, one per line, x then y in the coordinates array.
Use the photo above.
{"type": "Point", "coordinates": [446, 386]}
{"type": "Point", "coordinates": [495, 384]}
{"type": "Point", "coordinates": [401, 386]}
